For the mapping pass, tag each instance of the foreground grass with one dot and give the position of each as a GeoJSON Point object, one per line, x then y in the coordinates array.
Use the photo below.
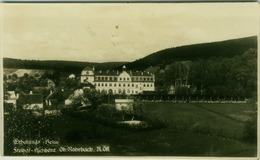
{"type": "Point", "coordinates": [172, 140]}
{"type": "Point", "coordinates": [195, 117]}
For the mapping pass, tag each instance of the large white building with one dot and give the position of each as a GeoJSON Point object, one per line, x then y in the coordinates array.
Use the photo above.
{"type": "Point", "coordinates": [128, 82]}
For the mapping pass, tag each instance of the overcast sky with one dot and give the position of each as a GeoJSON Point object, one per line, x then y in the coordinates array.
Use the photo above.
{"type": "Point", "coordinates": [119, 31]}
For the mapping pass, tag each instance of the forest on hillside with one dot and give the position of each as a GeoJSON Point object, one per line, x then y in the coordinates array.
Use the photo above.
{"type": "Point", "coordinates": [217, 76]}
{"type": "Point", "coordinates": [227, 68]}
{"type": "Point", "coordinates": [228, 48]}
{"type": "Point", "coordinates": [57, 65]}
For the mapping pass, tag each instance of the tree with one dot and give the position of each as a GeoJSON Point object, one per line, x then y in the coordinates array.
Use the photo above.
{"type": "Point", "coordinates": [94, 97]}
{"type": "Point", "coordinates": [138, 108]}
{"type": "Point", "coordinates": [107, 110]}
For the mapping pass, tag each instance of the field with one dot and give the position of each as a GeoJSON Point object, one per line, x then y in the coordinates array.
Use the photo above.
{"type": "Point", "coordinates": [189, 130]}
{"type": "Point", "coordinates": [225, 119]}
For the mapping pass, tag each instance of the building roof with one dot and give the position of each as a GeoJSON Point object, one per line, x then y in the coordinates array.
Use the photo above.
{"type": "Point", "coordinates": [116, 73]}
{"type": "Point", "coordinates": [107, 73]}
{"type": "Point", "coordinates": [31, 99]}
{"type": "Point", "coordinates": [66, 93]}
{"type": "Point", "coordinates": [11, 95]}
{"type": "Point", "coordinates": [139, 73]}
{"type": "Point", "coordinates": [87, 69]}
{"type": "Point", "coordinates": [38, 89]}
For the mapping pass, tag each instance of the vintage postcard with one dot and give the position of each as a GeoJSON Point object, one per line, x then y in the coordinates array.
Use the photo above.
{"type": "Point", "coordinates": [130, 79]}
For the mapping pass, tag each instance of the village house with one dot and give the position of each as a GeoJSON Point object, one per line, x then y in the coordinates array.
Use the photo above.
{"type": "Point", "coordinates": [12, 100]}
{"type": "Point", "coordinates": [124, 82]}
{"type": "Point", "coordinates": [31, 101]}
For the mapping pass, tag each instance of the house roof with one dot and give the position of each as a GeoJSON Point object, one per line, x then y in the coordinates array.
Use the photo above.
{"type": "Point", "coordinates": [39, 89]}
{"type": "Point", "coordinates": [66, 93]}
{"type": "Point", "coordinates": [107, 73]}
{"type": "Point", "coordinates": [11, 95]}
{"type": "Point", "coordinates": [116, 73]}
{"type": "Point", "coordinates": [31, 99]}
{"type": "Point", "coordinates": [87, 69]}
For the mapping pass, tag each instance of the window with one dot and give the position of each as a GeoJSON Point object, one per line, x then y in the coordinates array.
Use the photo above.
{"type": "Point", "coordinates": [115, 78]}
{"type": "Point", "coordinates": [115, 84]}
{"type": "Point", "coordinates": [102, 84]}
{"type": "Point", "coordinates": [102, 78]}
{"type": "Point", "coordinates": [128, 85]}
{"type": "Point", "coordinates": [123, 85]}
{"type": "Point", "coordinates": [128, 79]}
{"type": "Point", "coordinates": [120, 79]}
{"type": "Point", "coordinates": [144, 85]}
{"type": "Point", "coordinates": [98, 84]}
{"type": "Point", "coordinates": [105, 84]}
{"type": "Point", "coordinates": [110, 84]}
{"type": "Point", "coordinates": [144, 79]}
{"type": "Point", "coordinates": [119, 85]}
{"type": "Point", "coordinates": [110, 78]}
{"type": "Point", "coordinates": [105, 78]}
{"type": "Point", "coordinates": [136, 86]}
{"type": "Point", "coordinates": [133, 85]}
{"type": "Point", "coordinates": [124, 79]}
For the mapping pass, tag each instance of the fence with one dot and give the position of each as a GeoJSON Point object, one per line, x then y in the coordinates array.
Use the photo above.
{"type": "Point", "coordinates": [191, 99]}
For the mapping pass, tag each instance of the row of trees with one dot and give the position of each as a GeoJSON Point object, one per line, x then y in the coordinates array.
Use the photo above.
{"type": "Point", "coordinates": [236, 76]}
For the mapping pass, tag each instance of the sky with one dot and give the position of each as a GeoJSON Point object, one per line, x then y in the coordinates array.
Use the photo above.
{"type": "Point", "coordinates": [110, 32]}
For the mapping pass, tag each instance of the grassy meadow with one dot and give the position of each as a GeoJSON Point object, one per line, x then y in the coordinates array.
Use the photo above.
{"type": "Point", "coordinates": [189, 130]}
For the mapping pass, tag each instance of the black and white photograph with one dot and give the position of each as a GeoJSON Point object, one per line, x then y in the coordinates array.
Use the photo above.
{"type": "Point", "coordinates": [129, 79]}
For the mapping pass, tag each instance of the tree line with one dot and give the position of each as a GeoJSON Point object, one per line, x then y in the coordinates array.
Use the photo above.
{"type": "Point", "coordinates": [216, 76]}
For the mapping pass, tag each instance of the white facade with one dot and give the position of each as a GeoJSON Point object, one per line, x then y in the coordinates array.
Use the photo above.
{"type": "Point", "coordinates": [12, 98]}
{"type": "Point", "coordinates": [116, 82]}
{"type": "Point", "coordinates": [124, 104]}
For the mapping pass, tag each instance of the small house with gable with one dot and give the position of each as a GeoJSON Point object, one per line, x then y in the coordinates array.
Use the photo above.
{"type": "Point", "coordinates": [11, 99]}
{"type": "Point", "coordinates": [32, 102]}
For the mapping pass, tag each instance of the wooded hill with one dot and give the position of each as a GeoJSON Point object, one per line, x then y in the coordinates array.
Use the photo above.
{"type": "Point", "coordinates": [64, 66]}
{"type": "Point", "coordinates": [227, 68]}
{"type": "Point", "coordinates": [228, 48]}
{"type": "Point", "coordinates": [164, 57]}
